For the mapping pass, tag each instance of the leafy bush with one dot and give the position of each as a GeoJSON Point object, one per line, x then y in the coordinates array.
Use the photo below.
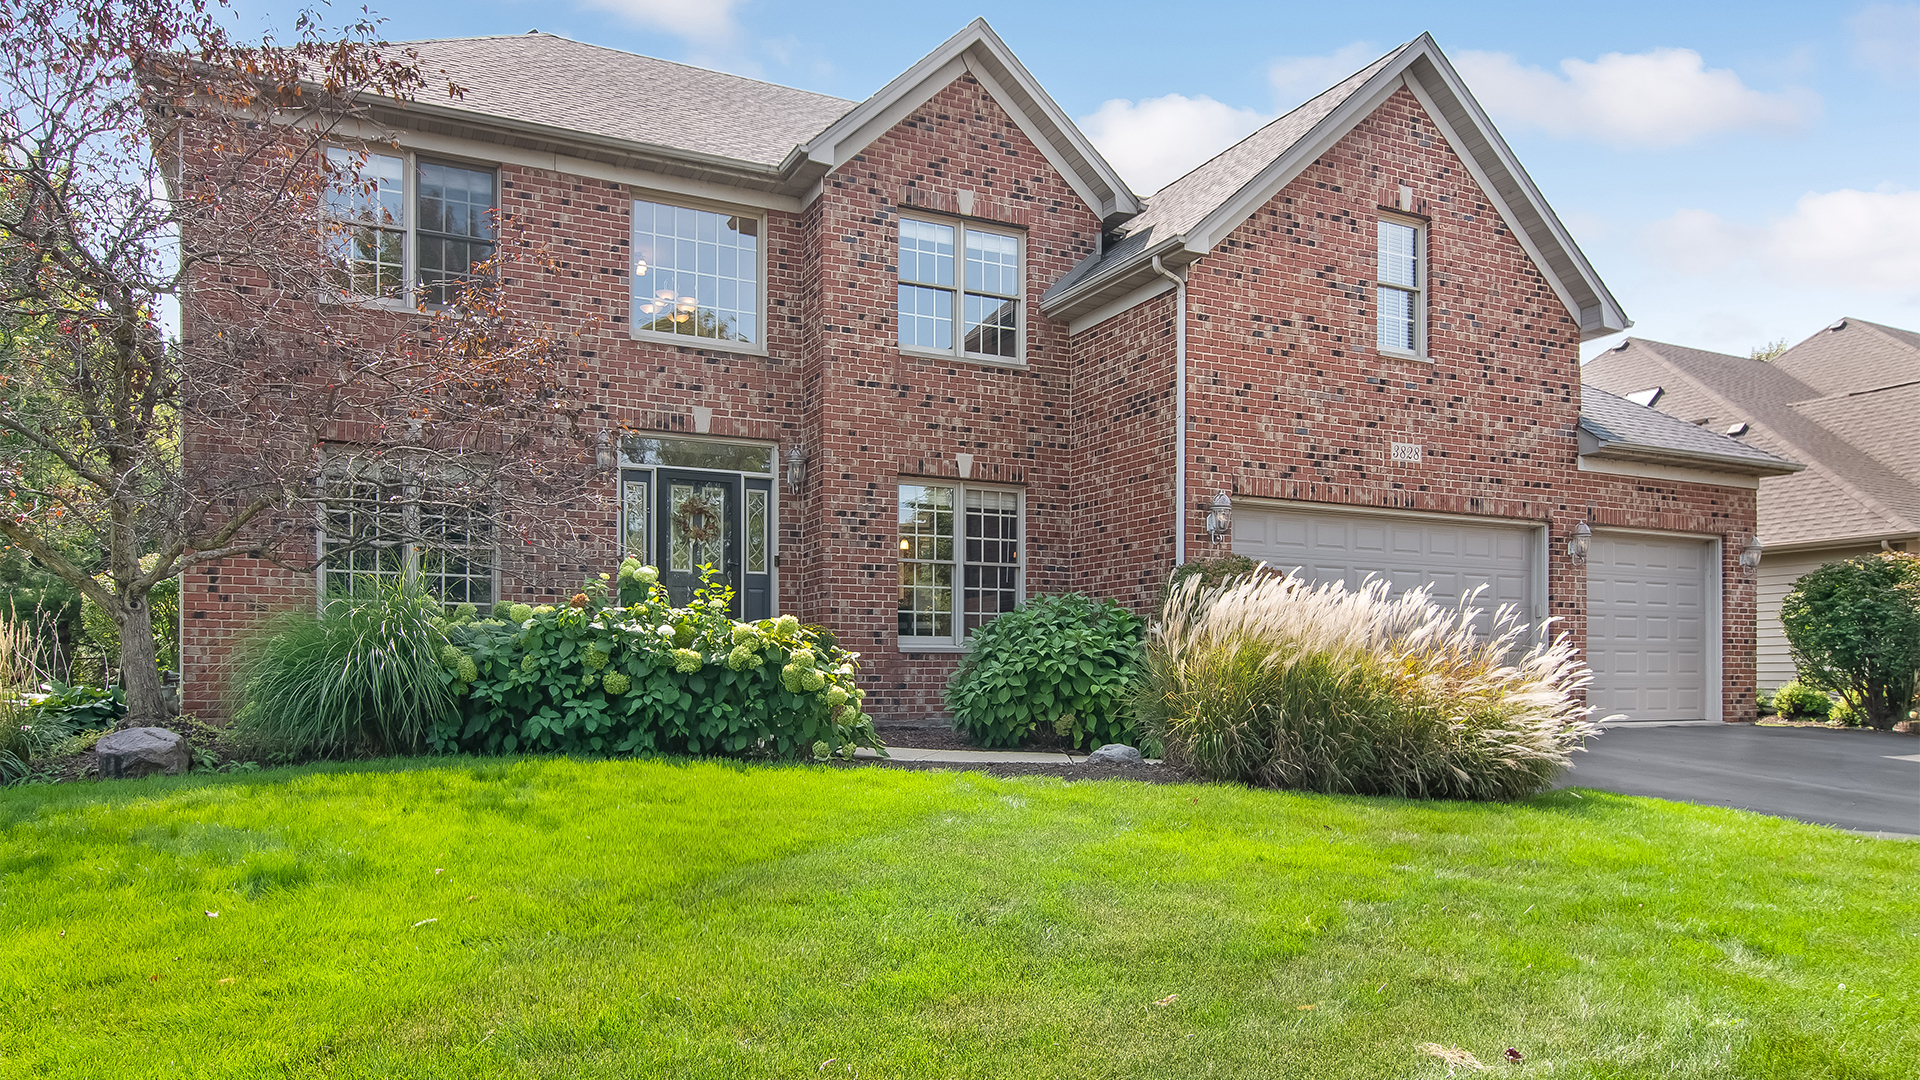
{"type": "Point", "coordinates": [366, 675]}
{"type": "Point", "coordinates": [649, 677]}
{"type": "Point", "coordinates": [1215, 572]}
{"type": "Point", "coordinates": [1796, 701]}
{"type": "Point", "coordinates": [1845, 715]}
{"type": "Point", "coordinates": [1855, 630]}
{"type": "Point", "coordinates": [1066, 663]}
{"type": "Point", "coordinates": [1268, 680]}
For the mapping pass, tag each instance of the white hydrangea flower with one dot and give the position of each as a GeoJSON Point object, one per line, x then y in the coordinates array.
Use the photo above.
{"type": "Point", "coordinates": [663, 630]}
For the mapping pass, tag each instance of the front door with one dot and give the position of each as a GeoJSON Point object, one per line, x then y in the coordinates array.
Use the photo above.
{"type": "Point", "coordinates": [717, 519]}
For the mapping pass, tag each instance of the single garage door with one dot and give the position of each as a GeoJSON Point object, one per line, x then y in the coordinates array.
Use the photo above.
{"type": "Point", "coordinates": [1647, 625]}
{"type": "Point", "coordinates": [1455, 557]}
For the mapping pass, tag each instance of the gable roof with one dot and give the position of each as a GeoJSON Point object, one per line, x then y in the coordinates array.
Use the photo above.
{"type": "Point", "coordinates": [555, 94]}
{"type": "Point", "coordinates": [1862, 480]}
{"type": "Point", "coordinates": [1186, 219]}
{"type": "Point", "coordinates": [1852, 355]}
{"type": "Point", "coordinates": [1613, 427]}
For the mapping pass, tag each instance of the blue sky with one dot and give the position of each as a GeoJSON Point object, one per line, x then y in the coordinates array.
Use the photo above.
{"type": "Point", "coordinates": [1738, 173]}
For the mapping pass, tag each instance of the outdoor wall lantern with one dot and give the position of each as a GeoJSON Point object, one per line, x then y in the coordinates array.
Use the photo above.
{"type": "Point", "coordinates": [796, 467]}
{"type": "Point", "coordinates": [1750, 555]}
{"type": "Point", "coordinates": [1580, 542]}
{"type": "Point", "coordinates": [604, 457]}
{"type": "Point", "coordinates": [1220, 517]}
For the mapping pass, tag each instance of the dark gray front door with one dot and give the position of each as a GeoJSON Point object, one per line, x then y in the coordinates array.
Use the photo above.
{"type": "Point", "coordinates": [718, 519]}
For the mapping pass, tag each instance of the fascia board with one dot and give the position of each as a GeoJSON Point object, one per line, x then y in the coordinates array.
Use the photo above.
{"type": "Point", "coordinates": [1284, 169]}
{"type": "Point", "coordinates": [1157, 287]}
{"type": "Point", "coordinates": [1594, 445]}
{"type": "Point", "coordinates": [1613, 318]}
{"type": "Point", "coordinates": [871, 124]}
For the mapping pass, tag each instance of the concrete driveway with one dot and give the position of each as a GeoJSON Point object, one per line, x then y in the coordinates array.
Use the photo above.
{"type": "Point", "coordinates": [1867, 781]}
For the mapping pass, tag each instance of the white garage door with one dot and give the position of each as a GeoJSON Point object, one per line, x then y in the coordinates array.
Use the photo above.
{"type": "Point", "coordinates": [1454, 557]}
{"type": "Point", "coordinates": [1647, 624]}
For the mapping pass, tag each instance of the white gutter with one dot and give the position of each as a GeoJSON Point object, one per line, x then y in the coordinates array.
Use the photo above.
{"type": "Point", "coordinates": [1179, 411]}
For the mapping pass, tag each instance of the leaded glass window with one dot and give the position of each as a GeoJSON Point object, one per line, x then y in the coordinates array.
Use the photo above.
{"type": "Point", "coordinates": [757, 532]}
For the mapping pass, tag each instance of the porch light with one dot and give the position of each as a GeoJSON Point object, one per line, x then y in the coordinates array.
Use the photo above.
{"type": "Point", "coordinates": [1580, 542]}
{"type": "Point", "coordinates": [1220, 517]}
{"type": "Point", "coordinates": [796, 467]}
{"type": "Point", "coordinates": [1750, 555]}
{"type": "Point", "coordinates": [603, 456]}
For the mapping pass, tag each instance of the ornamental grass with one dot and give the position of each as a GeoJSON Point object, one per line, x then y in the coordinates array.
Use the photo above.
{"type": "Point", "coordinates": [1273, 681]}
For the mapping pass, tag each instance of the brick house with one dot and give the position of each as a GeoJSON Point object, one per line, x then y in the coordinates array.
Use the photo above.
{"type": "Point", "coordinates": [926, 355]}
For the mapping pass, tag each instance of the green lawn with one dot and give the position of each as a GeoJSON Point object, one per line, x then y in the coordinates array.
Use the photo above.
{"type": "Point", "coordinates": [613, 919]}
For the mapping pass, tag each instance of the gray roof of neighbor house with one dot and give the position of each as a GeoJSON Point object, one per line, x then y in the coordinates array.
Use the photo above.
{"type": "Point", "coordinates": [1186, 219]}
{"type": "Point", "coordinates": [1613, 427]}
{"type": "Point", "coordinates": [1842, 401]}
{"type": "Point", "coordinates": [561, 83]}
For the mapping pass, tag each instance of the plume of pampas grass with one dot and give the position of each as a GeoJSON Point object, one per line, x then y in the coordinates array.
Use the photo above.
{"type": "Point", "coordinates": [1270, 680]}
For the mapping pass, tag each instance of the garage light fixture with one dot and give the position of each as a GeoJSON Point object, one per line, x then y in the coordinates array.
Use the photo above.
{"type": "Point", "coordinates": [1220, 517]}
{"type": "Point", "coordinates": [1750, 555]}
{"type": "Point", "coordinates": [1580, 542]}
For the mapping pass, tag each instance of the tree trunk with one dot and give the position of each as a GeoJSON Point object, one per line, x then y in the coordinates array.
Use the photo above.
{"type": "Point", "coordinates": [140, 666]}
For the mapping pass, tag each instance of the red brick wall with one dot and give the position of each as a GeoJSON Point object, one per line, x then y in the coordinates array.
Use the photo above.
{"type": "Point", "coordinates": [1290, 399]}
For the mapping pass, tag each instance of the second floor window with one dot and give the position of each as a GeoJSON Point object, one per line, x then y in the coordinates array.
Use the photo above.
{"type": "Point", "coordinates": [696, 273]}
{"type": "Point", "coordinates": [1401, 289]}
{"type": "Point", "coordinates": [960, 291]}
{"type": "Point", "coordinates": [404, 229]}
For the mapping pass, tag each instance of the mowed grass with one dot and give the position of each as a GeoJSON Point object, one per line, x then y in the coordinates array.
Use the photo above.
{"type": "Point", "coordinates": [555, 918]}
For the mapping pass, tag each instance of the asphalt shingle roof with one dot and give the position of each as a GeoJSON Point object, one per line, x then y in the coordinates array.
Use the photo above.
{"type": "Point", "coordinates": [548, 79]}
{"type": "Point", "coordinates": [1841, 401]}
{"type": "Point", "coordinates": [1614, 419]}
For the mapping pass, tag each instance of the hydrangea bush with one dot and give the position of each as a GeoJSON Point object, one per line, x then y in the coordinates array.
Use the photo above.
{"type": "Point", "coordinates": [639, 675]}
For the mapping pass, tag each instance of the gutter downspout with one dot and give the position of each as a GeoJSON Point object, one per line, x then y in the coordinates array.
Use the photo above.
{"type": "Point", "coordinates": [1179, 412]}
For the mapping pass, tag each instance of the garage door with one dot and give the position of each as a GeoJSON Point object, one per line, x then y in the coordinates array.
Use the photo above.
{"type": "Point", "coordinates": [1454, 557]}
{"type": "Point", "coordinates": [1647, 624]}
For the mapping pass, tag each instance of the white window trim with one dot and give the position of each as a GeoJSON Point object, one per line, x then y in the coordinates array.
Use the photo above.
{"type": "Point", "coordinates": [961, 226]}
{"type": "Point", "coordinates": [408, 300]}
{"type": "Point", "coordinates": [749, 348]}
{"type": "Point", "coordinates": [957, 641]}
{"type": "Point", "coordinates": [410, 556]}
{"type": "Point", "coordinates": [1422, 261]}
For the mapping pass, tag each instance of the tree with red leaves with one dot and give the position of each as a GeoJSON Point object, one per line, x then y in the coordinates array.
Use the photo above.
{"type": "Point", "coordinates": [150, 164]}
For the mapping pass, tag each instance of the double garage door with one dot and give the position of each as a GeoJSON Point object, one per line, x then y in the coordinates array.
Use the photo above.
{"type": "Point", "coordinates": [1647, 627]}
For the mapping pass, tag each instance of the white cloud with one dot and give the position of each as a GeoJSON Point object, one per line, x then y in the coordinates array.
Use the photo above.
{"type": "Point", "coordinates": [1862, 240]}
{"type": "Point", "coordinates": [1298, 78]}
{"type": "Point", "coordinates": [1661, 98]}
{"type": "Point", "coordinates": [710, 21]}
{"type": "Point", "coordinates": [1155, 141]}
{"type": "Point", "coordinates": [1886, 38]}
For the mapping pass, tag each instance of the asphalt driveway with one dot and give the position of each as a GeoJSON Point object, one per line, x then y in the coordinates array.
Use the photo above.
{"type": "Point", "coordinates": [1849, 779]}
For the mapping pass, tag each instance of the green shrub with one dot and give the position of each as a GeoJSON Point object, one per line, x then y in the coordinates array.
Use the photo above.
{"type": "Point", "coordinates": [1845, 715]}
{"type": "Point", "coordinates": [1214, 572]}
{"type": "Point", "coordinates": [366, 675]}
{"type": "Point", "coordinates": [1855, 630]}
{"type": "Point", "coordinates": [1064, 663]}
{"type": "Point", "coordinates": [1271, 681]}
{"type": "Point", "coordinates": [647, 677]}
{"type": "Point", "coordinates": [1798, 701]}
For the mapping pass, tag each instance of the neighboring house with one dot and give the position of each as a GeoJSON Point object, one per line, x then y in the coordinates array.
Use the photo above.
{"type": "Point", "coordinates": [1003, 374]}
{"type": "Point", "coordinates": [1844, 402]}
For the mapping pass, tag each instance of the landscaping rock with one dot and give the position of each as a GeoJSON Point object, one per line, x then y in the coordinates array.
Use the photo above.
{"type": "Point", "coordinates": [141, 751]}
{"type": "Point", "coordinates": [1115, 754]}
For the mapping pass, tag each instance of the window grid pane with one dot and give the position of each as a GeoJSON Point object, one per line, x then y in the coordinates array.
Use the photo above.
{"type": "Point", "coordinates": [455, 227]}
{"type": "Point", "coordinates": [1399, 255]}
{"type": "Point", "coordinates": [992, 566]}
{"type": "Point", "coordinates": [366, 199]}
{"type": "Point", "coordinates": [374, 530]}
{"type": "Point", "coordinates": [926, 561]}
{"type": "Point", "coordinates": [993, 263]}
{"type": "Point", "coordinates": [695, 273]}
{"type": "Point", "coordinates": [926, 253]}
{"type": "Point", "coordinates": [993, 326]}
{"type": "Point", "coordinates": [1396, 319]}
{"type": "Point", "coordinates": [926, 318]}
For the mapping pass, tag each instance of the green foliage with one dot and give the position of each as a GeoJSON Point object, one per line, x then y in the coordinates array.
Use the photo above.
{"type": "Point", "coordinates": [366, 675]}
{"type": "Point", "coordinates": [1213, 572]}
{"type": "Point", "coordinates": [103, 633]}
{"type": "Point", "coordinates": [1271, 681]}
{"type": "Point", "coordinates": [1845, 715]}
{"type": "Point", "coordinates": [1854, 627]}
{"type": "Point", "coordinates": [1067, 664]}
{"type": "Point", "coordinates": [648, 677]}
{"type": "Point", "coordinates": [1798, 701]}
